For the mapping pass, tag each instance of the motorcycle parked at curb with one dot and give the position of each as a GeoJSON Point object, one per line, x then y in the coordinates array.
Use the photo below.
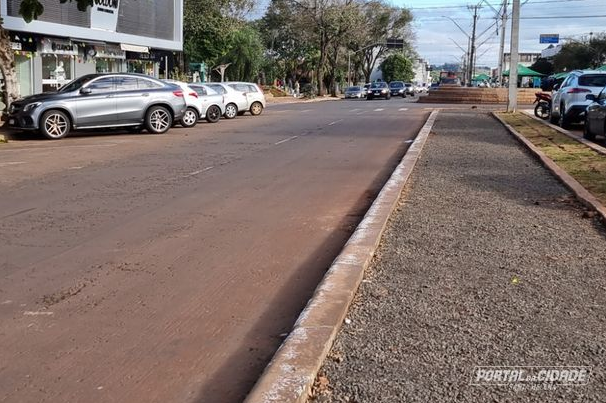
{"type": "Point", "coordinates": [543, 108]}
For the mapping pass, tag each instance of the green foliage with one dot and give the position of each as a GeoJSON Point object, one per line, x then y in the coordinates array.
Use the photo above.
{"type": "Point", "coordinates": [542, 66]}
{"type": "Point", "coordinates": [581, 55]}
{"type": "Point", "coordinates": [245, 55]}
{"type": "Point", "coordinates": [397, 67]}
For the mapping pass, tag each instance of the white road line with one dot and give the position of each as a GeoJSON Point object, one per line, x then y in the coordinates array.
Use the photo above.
{"type": "Point", "coordinates": [379, 110]}
{"type": "Point", "coordinates": [37, 313]}
{"type": "Point", "coordinates": [361, 113]}
{"type": "Point", "coordinates": [75, 167]}
{"type": "Point", "coordinates": [403, 109]}
{"type": "Point", "coordinates": [285, 140]}
{"type": "Point", "coordinates": [5, 164]}
{"type": "Point", "coordinates": [306, 110]}
{"type": "Point", "coordinates": [197, 172]}
{"type": "Point", "coordinates": [355, 110]}
{"type": "Point", "coordinates": [335, 122]}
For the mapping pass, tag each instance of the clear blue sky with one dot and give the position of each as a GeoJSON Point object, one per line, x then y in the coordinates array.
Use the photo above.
{"type": "Point", "coordinates": [434, 32]}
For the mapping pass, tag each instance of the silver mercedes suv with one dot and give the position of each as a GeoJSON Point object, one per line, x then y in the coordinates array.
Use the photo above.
{"type": "Point", "coordinates": [93, 101]}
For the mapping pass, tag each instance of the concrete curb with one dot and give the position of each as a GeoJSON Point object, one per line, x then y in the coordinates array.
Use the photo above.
{"type": "Point", "coordinates": [291, 373]}
{"type": "Point", "coordinates": [300, 100]}
{"type": "Point", "coordinates": [595, 147]}
{"type": "Point", "coordinates": [579, 191]}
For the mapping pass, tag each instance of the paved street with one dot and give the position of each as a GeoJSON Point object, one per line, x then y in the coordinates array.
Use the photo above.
{"type": "Point", "coordinates": [142, 268]}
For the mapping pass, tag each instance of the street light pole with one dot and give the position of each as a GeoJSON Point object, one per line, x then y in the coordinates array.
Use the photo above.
{"type": "Point", "coordinates": [512, 102]}
{"type": "Point", "coordinates": [349, 60]}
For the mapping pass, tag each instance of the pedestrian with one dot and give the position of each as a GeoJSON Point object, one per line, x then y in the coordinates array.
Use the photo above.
{"type": "Point", "coordinates": [297, 88]}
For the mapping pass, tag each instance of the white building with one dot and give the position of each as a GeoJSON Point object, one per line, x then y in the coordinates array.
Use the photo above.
{"type": "Point", "coordinates": [111, 36]}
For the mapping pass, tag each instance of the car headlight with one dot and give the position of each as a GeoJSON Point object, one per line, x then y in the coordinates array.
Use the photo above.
{"type": "Point", "coordinates": [383, 90]}
{"type": "Point", "coordinates": [31, 106]}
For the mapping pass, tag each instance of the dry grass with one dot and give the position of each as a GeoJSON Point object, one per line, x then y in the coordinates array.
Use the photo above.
{"type": "Point", "coordinates": [587, 166]}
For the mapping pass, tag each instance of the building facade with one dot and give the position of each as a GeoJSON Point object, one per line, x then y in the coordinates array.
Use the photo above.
{"type": "Point", "coordinates": [526, 59]}
{"type": "Point", "coordinates": [111, 36]}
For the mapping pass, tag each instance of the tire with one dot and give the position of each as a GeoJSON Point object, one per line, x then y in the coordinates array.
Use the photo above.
{"type": "Point", "coordinates": [158, 120]}
{"type": "Point", "coordinates": [256, 108]}
{"type": "Point", "coordinates": [55, 124]}
{"type": "Point", "coordinates": [562, 121]}
{"type": "Point", "coordinates": [541, 110]}
{"type": "Point", "coordinates": [190, 118]}
{"type": "Point", "coordinates": [213, 114]}
{"type": "Point", "coordinates": [587, 134]}
{"type": "Point", "coordinates": [552, 119]}
{"type": "Point", "coordinates": [231, 111]}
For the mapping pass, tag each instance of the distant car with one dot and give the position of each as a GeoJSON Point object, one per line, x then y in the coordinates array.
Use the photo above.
{"type": "Point", "coordinates": [96, 101]}
{"type": "Point", "coordinates": [433, 87]}
{"type": "Point", "coordinates": [409, 89]}
{"type": "Point", "coordinates": [397, 89]}
{"type": "Point", "coordinates": [354, 92]}
{"type": "Point", "coordinates": [378, 89]}
{"type": "Point", "coordinates": [255, 99]}
{"type": "Point", "coordinates": [595, 116]}
{"type": "Point", "coordinates": [365, 90]}
{"type": "Point", "coordinates": [569, 102]}
{"type": "Point", "coordinates": [202, 103]}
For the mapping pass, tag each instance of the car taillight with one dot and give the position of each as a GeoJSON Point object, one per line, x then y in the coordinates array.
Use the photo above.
{"type": "Point", "coordinates": [577, 90]}
{"type": "Point", "coordinates": [178, 93]}
{"type": "Point", "coordinates": [193, 94]}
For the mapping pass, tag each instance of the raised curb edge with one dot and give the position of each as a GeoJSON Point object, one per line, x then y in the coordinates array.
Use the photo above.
{"type": "Point", "coordinates": [291, 373]}
{"type": "Point", "coordinates": [579, 191]}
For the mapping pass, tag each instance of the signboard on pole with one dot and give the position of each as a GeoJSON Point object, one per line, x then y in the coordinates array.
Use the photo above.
{"type": "Point", "coordinates": [549, 38]}
{"type": "Point", "coordinates": [394, 43]}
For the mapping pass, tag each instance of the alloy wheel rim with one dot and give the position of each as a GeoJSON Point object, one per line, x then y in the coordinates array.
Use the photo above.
{"type": "Point", "coordinates": [189, 118]}
{"type": "Point", "coordinates": [159, 120]}
{"type": "Point", "coordinates": [56, 125]}
{"type": "Point", "coordinates": [256, 109]}
{"type": "Point", "coordinates": [213, 113]}
{"type": "Point", "coordinates": [231, 111]}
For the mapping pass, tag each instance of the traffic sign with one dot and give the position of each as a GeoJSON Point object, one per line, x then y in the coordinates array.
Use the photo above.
{"type": "Point", "coordinates": [549, 38]}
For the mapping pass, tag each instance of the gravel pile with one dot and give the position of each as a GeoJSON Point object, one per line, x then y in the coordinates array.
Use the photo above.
{"type": "Point", "coordinates": [489, 261]}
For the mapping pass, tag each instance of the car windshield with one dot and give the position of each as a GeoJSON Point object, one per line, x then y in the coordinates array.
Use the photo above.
{"type": "Point", "coordinates": [353, 89]}
{"type": "Point", "coordinates": [76, 84]}
{"type": "Point", "coordinates": [593, 80]}
{"type": "Point", "coordinates": [396, 85]}
{"type": "Point", "coordinates": [378, 85]}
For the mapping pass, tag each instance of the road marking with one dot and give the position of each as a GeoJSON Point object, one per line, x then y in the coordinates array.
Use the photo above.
{"type": "Point", "coordinates": [379, 110]}
{"type": "Point", "coordinates": [355, 110]}
{"type": "Point", "coordinates": [37, 313]}
{"type": "Point", "coordinates": [403, 109]}
{"type": "Point", "coordinates": [409, 141]}
{"type": "Point", "coordinates": [198, 172]}
{"type": "Point", "coordinates": [75, 167]}
{"type": "Point", "coordinates": [306, 110]}
{"type": "Point", "coordinates": [285, 140]}
{"type": "Point", "coordinates": [335, 122]}
{"type": "Point", "coordinates": [5, 164]}
{"type": "Point", "coordinates": [18, 212]}
{"type": "Point", "coordinates": [360, 113]}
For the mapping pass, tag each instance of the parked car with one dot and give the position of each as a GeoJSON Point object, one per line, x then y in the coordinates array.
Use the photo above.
{"type": "Point", "coordinates": [354, 92]}
{"type": "Point", "coordinates": [254, 96]}
{"type": "Point", "coordinates": [235, 101]}
{"type": "Point", "coordinates": [95, 101]}
{"type": "Point", "coordinates": [569, 101]}
{"type": "Point", "coordinates": [378, 89]}
{"type": "Point", "coordinates": [595, 116]}
{"type": "Point", "coordinates": [202, 103]}
{"type": "Point", "coordinates": [396, 89]}
{"type": "Point", "coordinates": [365, 90]}
{"type": "Point", "coordinates": [409, 89]}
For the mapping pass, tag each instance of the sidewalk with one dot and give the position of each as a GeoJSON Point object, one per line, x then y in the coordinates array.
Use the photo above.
{"type": "Point", "coordinates": [487, 262]}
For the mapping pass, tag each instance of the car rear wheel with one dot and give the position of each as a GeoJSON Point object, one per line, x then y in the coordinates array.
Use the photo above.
{"type": "Point", "coordinates": [213, 114]}
{"type": "Point", "coordinates": [256, 108]}
{"type": "Point", "coordinates": [55, 124]}
{"type": "Point", "coordinates": [587, 134]}
{"type": "Point", "coordinates": [158, 120]}
{"type": "Point", "coordinates": [231, 111]}
{"type": "Point", "coordinates": [562, 120]}
{"type": "Point", "coordinates": [190, 118]}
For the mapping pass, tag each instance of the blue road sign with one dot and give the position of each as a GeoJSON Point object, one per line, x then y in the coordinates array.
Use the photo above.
{"type": "Point", "coordinates": [549, 38]}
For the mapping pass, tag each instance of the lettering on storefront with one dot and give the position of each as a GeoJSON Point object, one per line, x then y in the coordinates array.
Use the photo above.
{"type": "Point", "coordinates": [104, 15]}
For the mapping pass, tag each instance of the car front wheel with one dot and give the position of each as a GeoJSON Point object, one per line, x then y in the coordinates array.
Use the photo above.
{"type": "Point", "coordinates": [55, 124]}
{"type": "Point", "coordinates": [190, 118]}
{"type": "Point", "coordinates": [158, 120]}
{"type": "Point", "coordinates": [213, 114]}
{"type": "Point", "coordinates": [587, 134]}
{"type": "Point", "coordinates": [231, 111]}
{"type": "Point", "coordinates": [256, 108]}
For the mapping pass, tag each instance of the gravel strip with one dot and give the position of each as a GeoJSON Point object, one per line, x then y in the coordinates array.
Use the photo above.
{"type": "Point", "coordinates": [489, 261]}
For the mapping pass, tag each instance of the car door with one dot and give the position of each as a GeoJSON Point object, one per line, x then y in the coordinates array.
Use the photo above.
{"type": "Point", "coordinates": [251, 94]}
{"type": "Point", "coordinates": [96, 104]}
{"type": "Point", "coordinates": [599, 114]}
{"type": "Point", "coordinates": [241, 97]}
{"type": "Point", "coordinates": [131, 99]}
{"type": "Point", "coordinates": [557, 98]}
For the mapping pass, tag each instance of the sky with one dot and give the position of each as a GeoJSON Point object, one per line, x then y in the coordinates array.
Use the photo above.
{"type": "Point", "coordinates": [435, 33]}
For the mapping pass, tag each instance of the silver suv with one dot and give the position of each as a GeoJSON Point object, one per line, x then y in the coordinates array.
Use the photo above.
{"type": "Point", "coordinates": [98, 101]}
{"type": "Point", "coordinates": [569, 102]}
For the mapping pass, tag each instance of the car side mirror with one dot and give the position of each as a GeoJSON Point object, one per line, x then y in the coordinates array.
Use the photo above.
{"type": "Point", "coordinates": [556, 87]}
{"type": "Point", "coordinates": [590, 97]}
{"type": "Point", "coordinates": [85, 91]}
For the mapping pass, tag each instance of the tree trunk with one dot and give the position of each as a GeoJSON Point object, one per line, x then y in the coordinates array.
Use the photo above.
{"type": "Point", "coordinates": [7, 66]}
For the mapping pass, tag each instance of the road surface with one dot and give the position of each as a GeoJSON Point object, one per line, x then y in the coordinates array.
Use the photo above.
{"type": "Point", "coordinates": [142, 268]}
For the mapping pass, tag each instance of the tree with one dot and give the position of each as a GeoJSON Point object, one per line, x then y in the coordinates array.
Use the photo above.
{"type": "Point", "coordinates": [581, 54]}
{"type": "Point", "coordinates": [30, 10]}
{"type": "Point", "coordinates": [245, 54]}
{"type": "Point", "coordinates": [543, 66]}
{"type": "Point", "coordinates": [397, 67]}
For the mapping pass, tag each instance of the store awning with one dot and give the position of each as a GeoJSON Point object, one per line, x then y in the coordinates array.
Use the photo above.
{"type": "Point", "coordinates": [134, 48]}
{"type": "Point", "coordinates": [524, 71]}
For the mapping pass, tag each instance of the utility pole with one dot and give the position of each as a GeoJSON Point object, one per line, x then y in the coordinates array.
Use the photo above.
{"type": "Point", "coordinates": [512, 102]}
{"type": "Point", "coordinates": [502, 45]}
{"type": "Point", "coordinates": [473, 41]}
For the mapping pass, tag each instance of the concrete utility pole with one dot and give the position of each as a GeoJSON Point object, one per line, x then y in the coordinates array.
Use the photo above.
{"type": "Point", "coordinates": [472, 51]}
{"type": "Point", "coordinates": [512, 101]}
{"type": "Point", "coordinates": [502, 45]}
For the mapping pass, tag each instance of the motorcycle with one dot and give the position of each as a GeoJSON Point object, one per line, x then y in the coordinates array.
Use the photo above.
{"type": "Point", "coordinates": [543, 108]}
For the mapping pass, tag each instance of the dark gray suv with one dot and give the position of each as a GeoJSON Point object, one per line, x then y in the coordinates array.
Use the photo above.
{"type": "Point", "coordinates": [93, 101]}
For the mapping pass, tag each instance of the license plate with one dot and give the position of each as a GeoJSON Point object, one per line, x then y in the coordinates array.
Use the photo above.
{"type": "Point", "coordinates": [11, 121]}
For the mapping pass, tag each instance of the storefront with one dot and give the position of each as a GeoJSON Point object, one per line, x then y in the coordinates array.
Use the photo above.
{"type": "Point", "coordinates": [24, 47]}
{"type": "Point", "coordinates": [58, 58]}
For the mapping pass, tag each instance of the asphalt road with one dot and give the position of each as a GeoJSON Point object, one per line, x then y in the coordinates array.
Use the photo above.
{"type": "Point", "coordinates": [142, 268]}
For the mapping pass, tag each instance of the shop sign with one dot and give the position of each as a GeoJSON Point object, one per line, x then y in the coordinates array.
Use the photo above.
{"type": "Point", "coordinates": [146, 57]}
{"type": "Point", "coordinates": [23, 42]}
{"type": "Point", "coordinates": [104, 15]}
{"type": "Point", "coordinates": [58, 47]}
{"type": "Point", "coordinates": [109, 52]}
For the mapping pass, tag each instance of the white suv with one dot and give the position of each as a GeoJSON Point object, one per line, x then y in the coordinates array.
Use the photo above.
{"type": "Point", "coordinates": [239, 98]}
{"type": "Point", "coordinates": [569, 102]}
{"type": "Point", "coordinates": [254, 96]}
